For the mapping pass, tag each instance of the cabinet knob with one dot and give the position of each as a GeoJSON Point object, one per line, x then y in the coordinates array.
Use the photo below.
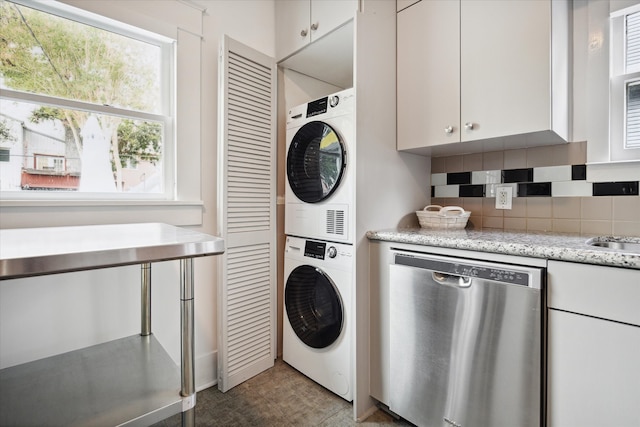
{"type": "Point", "coordinates": [468, 126]}
{"type": "Point", "coordinates": [304, 32]}
{"type": "Point", "coordinates": [315, 26]}
{"type": "Point", "coordinates": [448, 129]}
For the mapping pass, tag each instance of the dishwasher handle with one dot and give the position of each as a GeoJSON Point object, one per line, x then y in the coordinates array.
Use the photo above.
{"type": "Point", "coordinates": [451, 279]}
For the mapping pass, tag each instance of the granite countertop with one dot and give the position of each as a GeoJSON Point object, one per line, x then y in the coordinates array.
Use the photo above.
{"type": "Point", "coordinates": [557, 246]}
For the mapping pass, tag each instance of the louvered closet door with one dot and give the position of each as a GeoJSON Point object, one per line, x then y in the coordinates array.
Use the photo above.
{"type": "Point", "coordinates": [247, 214]}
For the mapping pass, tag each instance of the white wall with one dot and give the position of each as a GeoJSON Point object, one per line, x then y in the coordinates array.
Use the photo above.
{"type": "Point", "coordinates": [50, 315]}
{"type": "Point", "coordinates": [592, 53]}
{"type": "Point", "coordinates": [400, 180]}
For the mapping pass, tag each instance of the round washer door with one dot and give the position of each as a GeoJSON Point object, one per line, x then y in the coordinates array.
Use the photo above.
{"type": "Point", "coordinates": [313, 306]}
{"type": "Point", "coordinates": [315, 162]}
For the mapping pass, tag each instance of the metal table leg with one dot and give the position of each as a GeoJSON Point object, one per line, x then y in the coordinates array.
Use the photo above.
{"type": "Point", "coordinates": [187, 343]}
{"type": "Point", "coordinates": [145, 310]}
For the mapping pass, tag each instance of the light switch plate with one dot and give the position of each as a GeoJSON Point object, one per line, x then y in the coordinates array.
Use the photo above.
{"type": "Point", "coordinates": [503, 197]}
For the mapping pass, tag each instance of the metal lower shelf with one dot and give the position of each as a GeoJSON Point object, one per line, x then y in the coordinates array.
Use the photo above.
{"type": "Point", "coordinates": [130, 381]}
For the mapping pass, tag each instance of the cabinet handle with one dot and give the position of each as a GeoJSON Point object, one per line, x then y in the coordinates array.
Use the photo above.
{"type": "Point", "coordinates": [304, 32]}
{"type": "Point", "coordinates": [468, 126]}
{"type": "Point", "coordinates": [315, 26]}
{"type": "Point", "coordinates": [448, 129]}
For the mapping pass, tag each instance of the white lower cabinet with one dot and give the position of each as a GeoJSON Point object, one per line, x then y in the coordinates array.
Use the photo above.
{"type": "Point", "coordinates": [593, 372]}
{"type": "Point", "coordinates": [593, 356]}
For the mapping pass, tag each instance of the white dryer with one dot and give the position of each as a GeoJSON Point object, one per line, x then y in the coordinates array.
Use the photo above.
{"type": "Point", "coordinates": [319, 195]}
{"type": "Point", "coordinates": [318, 317]}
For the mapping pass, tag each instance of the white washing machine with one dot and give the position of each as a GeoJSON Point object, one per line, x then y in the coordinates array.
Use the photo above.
{"type": "Point", "coordinates": [319, 195]}
{"type": "Point", "coordinates": [318, 317]}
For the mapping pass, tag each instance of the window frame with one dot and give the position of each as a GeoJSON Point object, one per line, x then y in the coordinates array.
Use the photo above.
{"type": "Point", "coordinates": [167, 116]}
{"type": "Point", "coordinates": [620, 77]}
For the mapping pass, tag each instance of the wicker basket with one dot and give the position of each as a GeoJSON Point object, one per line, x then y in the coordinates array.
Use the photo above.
{"type": "Point", "coordinates": [443, 218]}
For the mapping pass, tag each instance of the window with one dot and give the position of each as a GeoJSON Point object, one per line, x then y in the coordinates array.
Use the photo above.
{"type": "Point", "coordinates": [86, 105]}
{"type": "Point", "coordinates": [625, 85]}
{"type": "Point", "coordinates": [5, 155]}
{"type": "Point", "coordinates": [49, 163]}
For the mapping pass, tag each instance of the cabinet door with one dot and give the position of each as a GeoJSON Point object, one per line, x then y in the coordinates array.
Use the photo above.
{"type": "Point", "coordinates": [403, 4]}
{"type": "Point", "coordinates": [593, 372]}
{"type": "Point", "coordinates": [428, 74]}
{"type": "Point", "coordinates": [327, 15]}
{"type": "Point", "coordinates": [505, 67]}
{"type": "Point", "coordinates": [292, 26]}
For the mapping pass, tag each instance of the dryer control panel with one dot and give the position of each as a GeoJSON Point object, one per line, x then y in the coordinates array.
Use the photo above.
{"type": "Point", "coordinates": [315, 249]}
{"type": "Point", "coordinates": [336, 104]}
{"type": "Point", "coordinates": [318, 106]}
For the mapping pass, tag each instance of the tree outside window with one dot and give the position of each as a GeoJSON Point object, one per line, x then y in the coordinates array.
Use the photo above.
{"type": "Point", "coordinates": [89, 97]}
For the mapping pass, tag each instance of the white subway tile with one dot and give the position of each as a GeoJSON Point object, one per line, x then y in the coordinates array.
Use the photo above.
{"type": "Point", "coordinates": [447, 191]}
{"type": "Point", "coordinates": [611, 172]}
{"type": "Point", "coordinates": [486, 177]}
{"type": "Point", "coordinates": [571, 189]}
{"type": "Point", "coordinates": [552, 173]}
{"type": "Point", "coordinates": [439, 179]}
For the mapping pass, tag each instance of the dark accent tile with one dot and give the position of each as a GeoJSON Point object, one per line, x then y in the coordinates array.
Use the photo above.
{"type": "Point", "coordinates": [433, 191]}
{"type": "Point", "coordinates": [517, 175]}
{"type": "Point", "coordinates": [627, 188]}
{"type": "Point", "coordinates": [471, 191]}
{"type": "Point", "coordinates": [578, 172]}
{"type": "Point", "coordinates": [459, 178]}
{"type": "Point", "coordinates": [534, 189]}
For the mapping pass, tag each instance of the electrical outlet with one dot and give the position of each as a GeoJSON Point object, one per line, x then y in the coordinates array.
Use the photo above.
{"type": "Point", "coordinates": [503, 197]}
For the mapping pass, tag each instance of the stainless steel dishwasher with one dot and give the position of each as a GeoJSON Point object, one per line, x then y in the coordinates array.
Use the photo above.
{"type": "Point", "coordinates": [466, 342]}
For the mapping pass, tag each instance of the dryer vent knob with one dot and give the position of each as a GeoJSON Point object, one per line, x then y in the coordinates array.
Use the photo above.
{"type": "Point", "coordinates": [332, 252]}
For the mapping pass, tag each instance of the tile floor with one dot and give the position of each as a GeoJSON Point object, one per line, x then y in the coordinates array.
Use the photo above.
{"type": "Point", "coordinates": [280, 396]}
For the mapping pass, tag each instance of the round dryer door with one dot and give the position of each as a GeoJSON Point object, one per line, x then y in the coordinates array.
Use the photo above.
{"type": "Point", "coordinates": [314, 306]}
{"type": "Point", "coordinates": [315, 162]}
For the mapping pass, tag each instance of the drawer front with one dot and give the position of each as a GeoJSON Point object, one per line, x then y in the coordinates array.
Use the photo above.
{"type": "Point", "coordinates": [607, 292]}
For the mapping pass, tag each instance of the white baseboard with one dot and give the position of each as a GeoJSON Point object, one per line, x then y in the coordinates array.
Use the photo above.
{"type": "Point", "coordinates": [206, 368]}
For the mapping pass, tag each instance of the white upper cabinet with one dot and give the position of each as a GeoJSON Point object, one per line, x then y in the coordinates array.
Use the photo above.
{"type": "Point", "coordinates": [300, 22]}
{"type": "Point", "coordinates": [474, 70]}
{"type": "Point", "coordinates": [505, 61]}
{"type": "Point", "coordinates": [292, 26]}
{"type": "Point", "coordinates": [403, 4]}
{"type": "Point", "coordinates": [428, 74]}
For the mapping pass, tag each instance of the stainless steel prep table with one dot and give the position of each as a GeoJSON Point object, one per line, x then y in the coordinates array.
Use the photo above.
{"type": "Point", "coordinates": [131, 380]}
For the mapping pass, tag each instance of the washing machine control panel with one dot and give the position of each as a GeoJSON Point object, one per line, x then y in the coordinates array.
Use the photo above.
{"type": "Point", "coordinates": [319, 253]}
{"type": "Point", "coordinates": [324, 250]}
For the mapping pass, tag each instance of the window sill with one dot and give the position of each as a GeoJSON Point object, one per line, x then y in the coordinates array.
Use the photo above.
{"type": "Point", "coordinates": [52, 213]}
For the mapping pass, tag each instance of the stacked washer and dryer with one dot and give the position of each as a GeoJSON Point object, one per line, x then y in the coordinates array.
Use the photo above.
{"type": "Point", "coordinates": [319, 261]}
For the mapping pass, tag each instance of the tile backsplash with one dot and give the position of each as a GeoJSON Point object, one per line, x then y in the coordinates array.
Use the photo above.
{"type": "Point", "coordinates": [550, 187]}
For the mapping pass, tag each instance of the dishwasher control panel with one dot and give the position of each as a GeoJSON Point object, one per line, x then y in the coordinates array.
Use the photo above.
{"type": "Point", "coordinates": [458, 268]}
